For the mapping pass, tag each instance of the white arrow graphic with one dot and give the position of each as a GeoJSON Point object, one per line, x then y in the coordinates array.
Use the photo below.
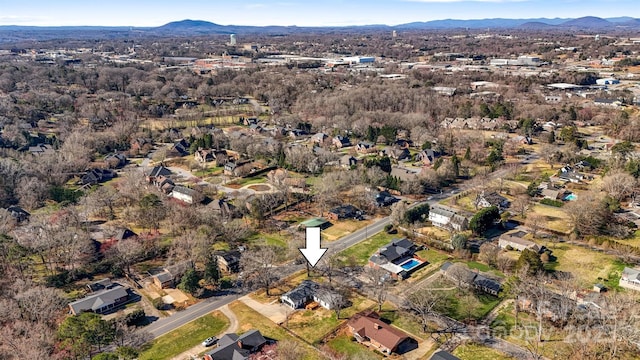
{"type": "Point", "coordinates": [313, 252]}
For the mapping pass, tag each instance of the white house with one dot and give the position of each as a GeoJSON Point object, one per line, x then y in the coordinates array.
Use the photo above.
{"type": "Point", "coordinates": [448, 218]}
{"type": "Point", "coordinates": [185, 194]}
{"type": "Point", "coordinates": [630, 279]}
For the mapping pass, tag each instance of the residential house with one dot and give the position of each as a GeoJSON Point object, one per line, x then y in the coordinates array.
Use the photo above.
{"type": "Point", "coordinates": [370, 330]}
{"type": "Point", "coordinates": [427, 157]}
{"type": "Point", "coordinates": [190, 196]}
{"type": "Point", "coordinates": [365, 147]}
{"type": "Point", "coordinates": [204, 156]}
{"type": "Point", "coordinates": [567, 173]}
{"type": "Point", "coordinates": [472, 279]}
{"type": "Point", "coordinates": [237, 347]}
{"type": "Point", "coordinates": [115, 160]}
{"type": "Point", "coordinates": [484, 200]}
{"type": "Point", "coordinates": [448, 218]}
{"type": "Point", "coordinates": [230, 168]}
{"type": "Point", "coordinates": [344, 212]}
{"type": "Point", "coordinates": [341, 141]}
{"type": "Point", "coordinates": [347, 161]}
{"type": "Point", "coordinates": [18, 213]}
{"type": "Point", "coordinates": [123, 234]}
{"type": "Point", "coordinates": [630, 279]}
{"type": "Point", "coordinates": [443, 355]}
{"type": "Point", "coordinates": [180, 148]}
{"type": "Point", "coordinates": [164, 184]}
{"type": "Point", "coordinates": [101, 301]}
{"type": "Point", "coordinates": [319, 138]}
{"type": "Point", "coordinates": [171, 274]}
{"type": "Point", "coordinates": [139, 144]}
{"type": "Point", "coordinates": [255, 129]}
{"type": "Point", "coordinates": [522, 140]}
{"type": "Point", "coordinates": [516, 241]}
{"type": "Point", "coordinates": [552, 194]}
{"type": "Point", "coordinates": [41, 149]}
{"type": "Point", "coordinates": [96, 176]}
{"type": "Point", "coordinates": [297, 133]}
{"type": "Point", "coordinates": [229, 261]}
{"type": "Point", "coordinates": [384, 198]}
{"type": "Point", "coordinates": [222, 208]}
{"type": "Point", "coordinates": [398, 258]}
{"type": "Point", "coordinates": [309, 291]}
{"type": "Point", "coordinates": [398, 154]}
{"type": "Point", "coordinates": [158, 171]}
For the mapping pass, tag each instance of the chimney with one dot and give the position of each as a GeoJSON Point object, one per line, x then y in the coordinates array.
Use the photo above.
{"type": "Point", "coordinates": [376, 326]}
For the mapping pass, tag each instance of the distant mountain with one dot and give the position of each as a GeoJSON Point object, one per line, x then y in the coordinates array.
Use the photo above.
{"type": "Point", "coordinates": [588, 22]}
{"type": "Point", "coordinates": [192, 26]}
{"type": "Point", "coordinates": [478, 23]}
{"type": "Point", "coordinates": [536, 25]}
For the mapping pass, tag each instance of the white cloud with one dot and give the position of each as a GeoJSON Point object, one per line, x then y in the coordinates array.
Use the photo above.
{"type": "Point", "coordinates": [255, 6]}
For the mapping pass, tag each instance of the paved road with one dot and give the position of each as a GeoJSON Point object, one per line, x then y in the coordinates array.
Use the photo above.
{"type": "Point", "coordinates": [165, 325]}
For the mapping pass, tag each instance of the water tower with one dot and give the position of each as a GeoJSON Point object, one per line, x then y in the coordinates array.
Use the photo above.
{"type": "Point", "coordinates": [232, 39]}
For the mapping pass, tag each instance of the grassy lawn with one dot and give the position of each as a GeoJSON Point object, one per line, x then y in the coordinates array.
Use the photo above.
{"type": "Point", "coordinates": [432, 256]}
{"type": "Point", "coordinates": [555, 218]}
{"type": "Point", "coordinates": [271, 239]}
{"type": "Point", "coordinates": [247, 181]}
{"type": "Point", "coordinates": [479, 352]}
{"type": "Point", "coordinates": [400, 319]}
{"type": "Point", "coordinates": [185, 337]}
{"type": "Point", "coordinates": [588, 267]}
{"type": "Point", "coordinates": [465, 304]}
{"type": "Point", "coordinates": [359, 254]}
{"type": "Point", "coordinates": [342, 228]}
{"type": "Point", "coordinates": [250, 319]}
{"type": "Point", "coordinates": [526, 332]}
{"type": "Point", "coordinates": [344, 344]}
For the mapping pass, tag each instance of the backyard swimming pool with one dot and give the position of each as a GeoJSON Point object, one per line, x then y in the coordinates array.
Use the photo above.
{"type": "Point", "coordinates": [410, 264]}
{"type": "Point", "coordinates": [571, 197]}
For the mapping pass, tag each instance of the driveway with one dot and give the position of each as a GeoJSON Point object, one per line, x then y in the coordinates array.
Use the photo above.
{"type": "Point", "coordinates": [199, 349]}
{"type": "Point", "coordinates": [275, 311]}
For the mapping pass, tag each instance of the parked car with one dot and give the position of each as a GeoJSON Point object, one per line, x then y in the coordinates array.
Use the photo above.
{"type": "Point", "coordinates": [210, 341]}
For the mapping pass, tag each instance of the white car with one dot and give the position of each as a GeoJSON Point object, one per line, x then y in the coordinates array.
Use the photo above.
{"type": "Point", "coordinates": [210, 341]}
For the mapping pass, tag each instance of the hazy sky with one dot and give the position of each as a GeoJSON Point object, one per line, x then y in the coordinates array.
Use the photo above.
{"type": "Point", "coordinates": [296, 12]}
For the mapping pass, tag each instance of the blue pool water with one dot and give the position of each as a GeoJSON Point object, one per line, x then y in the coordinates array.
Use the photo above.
{"type": "Point", "coordinates": [571, 197]}
{"type": "Point", "coordinates": [410, 264]}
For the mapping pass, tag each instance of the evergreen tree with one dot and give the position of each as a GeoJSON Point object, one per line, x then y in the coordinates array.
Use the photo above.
{"type": "Point", "coordinates": [212, 271]}
{"type": "Point", "coordinates": [189, 282]}
{"type": "Point", "coordinates": [530, 260]}
{"type": "Point", "coordinates": [467, 153]}
{"type": "Point", "coordinates": [483, 219]}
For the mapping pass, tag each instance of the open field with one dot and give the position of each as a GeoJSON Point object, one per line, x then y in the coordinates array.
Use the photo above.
{"type": "Point", "coordinates": [479, 352]}
{"type": "Point", "coordinates": [185, 337]}
{"type": "Point", "coordinates": [344, 227]}
{"type": "Point", "coordinates": [555, 218]}
{"type": "Point", "coordinates": [587, 266]}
